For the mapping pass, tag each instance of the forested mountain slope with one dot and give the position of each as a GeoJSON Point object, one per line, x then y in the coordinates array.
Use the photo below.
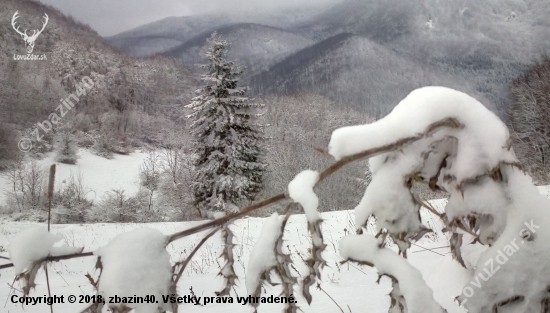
{"type": "Point", "coordinates": [475, 46]}
{"type": "Point", "coordinates": [485, 42]}
{"type": "Point", "coordinates": [128, 97]}
{"type": "Point", "coordinates": [354, 70]}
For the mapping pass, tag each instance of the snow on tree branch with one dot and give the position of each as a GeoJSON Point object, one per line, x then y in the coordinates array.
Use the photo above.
{"type": "Point", "coordinates": [136, 263]}
{"type": "Point", "coordinates": [451, 142]}
{"type": "Point", "coordinates": [300, 189]}
{"type": "Point", "coordinates": [483, 136]}
{"type": "Point", "coordinates": [263, 258]}
{"type": "Point", "coordinates": [228, 270]}
{"type": "Point", "coordinates": [30, 248]}
{"type": "Point", "coordinates": [267, 256]}
{"type": "Point", "coordinates": [365, 249]}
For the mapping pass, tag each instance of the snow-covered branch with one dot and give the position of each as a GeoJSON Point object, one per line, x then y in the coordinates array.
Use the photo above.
{"type": "Point", "coordinates": [30, 249]}
{"type": "Point", "coordinates": [417, 296]}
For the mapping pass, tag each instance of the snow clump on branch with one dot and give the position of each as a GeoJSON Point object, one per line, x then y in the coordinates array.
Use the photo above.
{"type": "Point", "coordinates": [30, 248]}
{"type": "Point", "coordinates": [451, 142]}
{"type": "Point", "coordinates": [136, 263]}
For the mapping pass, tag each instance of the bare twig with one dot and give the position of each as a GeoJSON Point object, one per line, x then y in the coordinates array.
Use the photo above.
{"type": "Point", "coordinates": [56, 258]}
{"type": "Point", "coordinates": [48, 283]}
{"type": "Point", "coordinates": [319, 287]}
{"type": "Point", "coordinates": [448, 122]}
{"type": "Point", "coordinates": [226, 218]}
{"type": "Point", "coordinates": [319, 149]}
{"type": "Point", "coordinates": [426, 249]}
{"type": "Point", "coordinates": [190, 256]}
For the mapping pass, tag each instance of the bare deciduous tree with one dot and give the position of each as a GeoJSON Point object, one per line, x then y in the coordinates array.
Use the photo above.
{"type": "Point", "coordinates": [150, 175]}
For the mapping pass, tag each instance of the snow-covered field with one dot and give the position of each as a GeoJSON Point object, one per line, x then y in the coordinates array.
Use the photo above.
{"type": "Point", "coordinates": [99, 174]}
{"type": "Point", "coordinates": [349, 284]}
{"type": "Point", "coordinates": [353, 287]}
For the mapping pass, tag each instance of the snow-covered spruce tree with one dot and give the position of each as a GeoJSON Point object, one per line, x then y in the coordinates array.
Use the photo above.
{"type": "Point", "coordinates": [227, 139]}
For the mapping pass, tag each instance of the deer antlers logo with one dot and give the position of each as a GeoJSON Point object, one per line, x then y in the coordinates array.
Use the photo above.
{"type": "Point", "coordinates": [29, 40]}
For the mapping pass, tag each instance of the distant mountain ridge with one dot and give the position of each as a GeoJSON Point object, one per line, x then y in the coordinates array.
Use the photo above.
{"type": "Point", "coordinates": [255, 47]}
{"type": "Point", "coordinates": [475, 46]}
{"type": "Point", "coordinates": [186, 28]}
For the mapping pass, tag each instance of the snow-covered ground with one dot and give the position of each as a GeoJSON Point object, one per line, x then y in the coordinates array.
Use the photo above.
{"type": "Point", "coordinates": [349, 284]}
{"type": "Point", "coordinates": [99, 174]}
{"type": "Point", "coordinates": [352, 286]}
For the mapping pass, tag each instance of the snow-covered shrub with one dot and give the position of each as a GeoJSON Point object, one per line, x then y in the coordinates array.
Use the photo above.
{"type": "Point", "coordinates": [115, 207]}
{"type": "Point", "coordinates": [150, 175]}
{"type": "Point", "coordinates": [71, 203]}
{"type": "Point", "coordinates": [104, 145]}
{"type": "Point", "coordinates": [530, 119]}
{"type": "Point", "coordinates": [27, 185]}
{"type": "Point", "coordinates": [83, 123]}
{"type": "Point", "coordinates": [111, 134]}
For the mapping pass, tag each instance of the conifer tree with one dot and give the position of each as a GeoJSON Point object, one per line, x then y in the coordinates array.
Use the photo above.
{"type": "Point", "coordinates": [227, 139]}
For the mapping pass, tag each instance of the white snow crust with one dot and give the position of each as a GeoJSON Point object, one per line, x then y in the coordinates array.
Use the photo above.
{"type": "Point", "coordinates": [136, 263]}
{"type": "Point", "coordinates": [300, 189]}
{"type": "Point", "coordinates": [482, 138]}
{"type": "Point", "coordinates": [33, 244]}
{"type": "Point", "coordinates": [263, 257]}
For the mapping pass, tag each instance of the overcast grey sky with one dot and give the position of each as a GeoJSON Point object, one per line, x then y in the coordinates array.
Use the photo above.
{"type": "Point", "coordinates": [109, 17]}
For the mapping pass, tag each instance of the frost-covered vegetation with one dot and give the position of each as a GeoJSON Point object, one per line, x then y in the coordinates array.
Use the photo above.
{"type": "Point", "coordinates": [436, 142]}
{"type": "Point", "coordinates": [450, 142]}
{"type": "Point", "coordinates": [530, 118]}
{"type": "Point", "coordinates": [124, 109]}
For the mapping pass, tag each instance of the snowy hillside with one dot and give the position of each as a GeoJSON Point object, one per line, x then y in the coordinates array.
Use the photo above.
{"type": "Point", "coordinates": [99, 175]}
{"type": "Point", "coordinates": [30, 92]}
